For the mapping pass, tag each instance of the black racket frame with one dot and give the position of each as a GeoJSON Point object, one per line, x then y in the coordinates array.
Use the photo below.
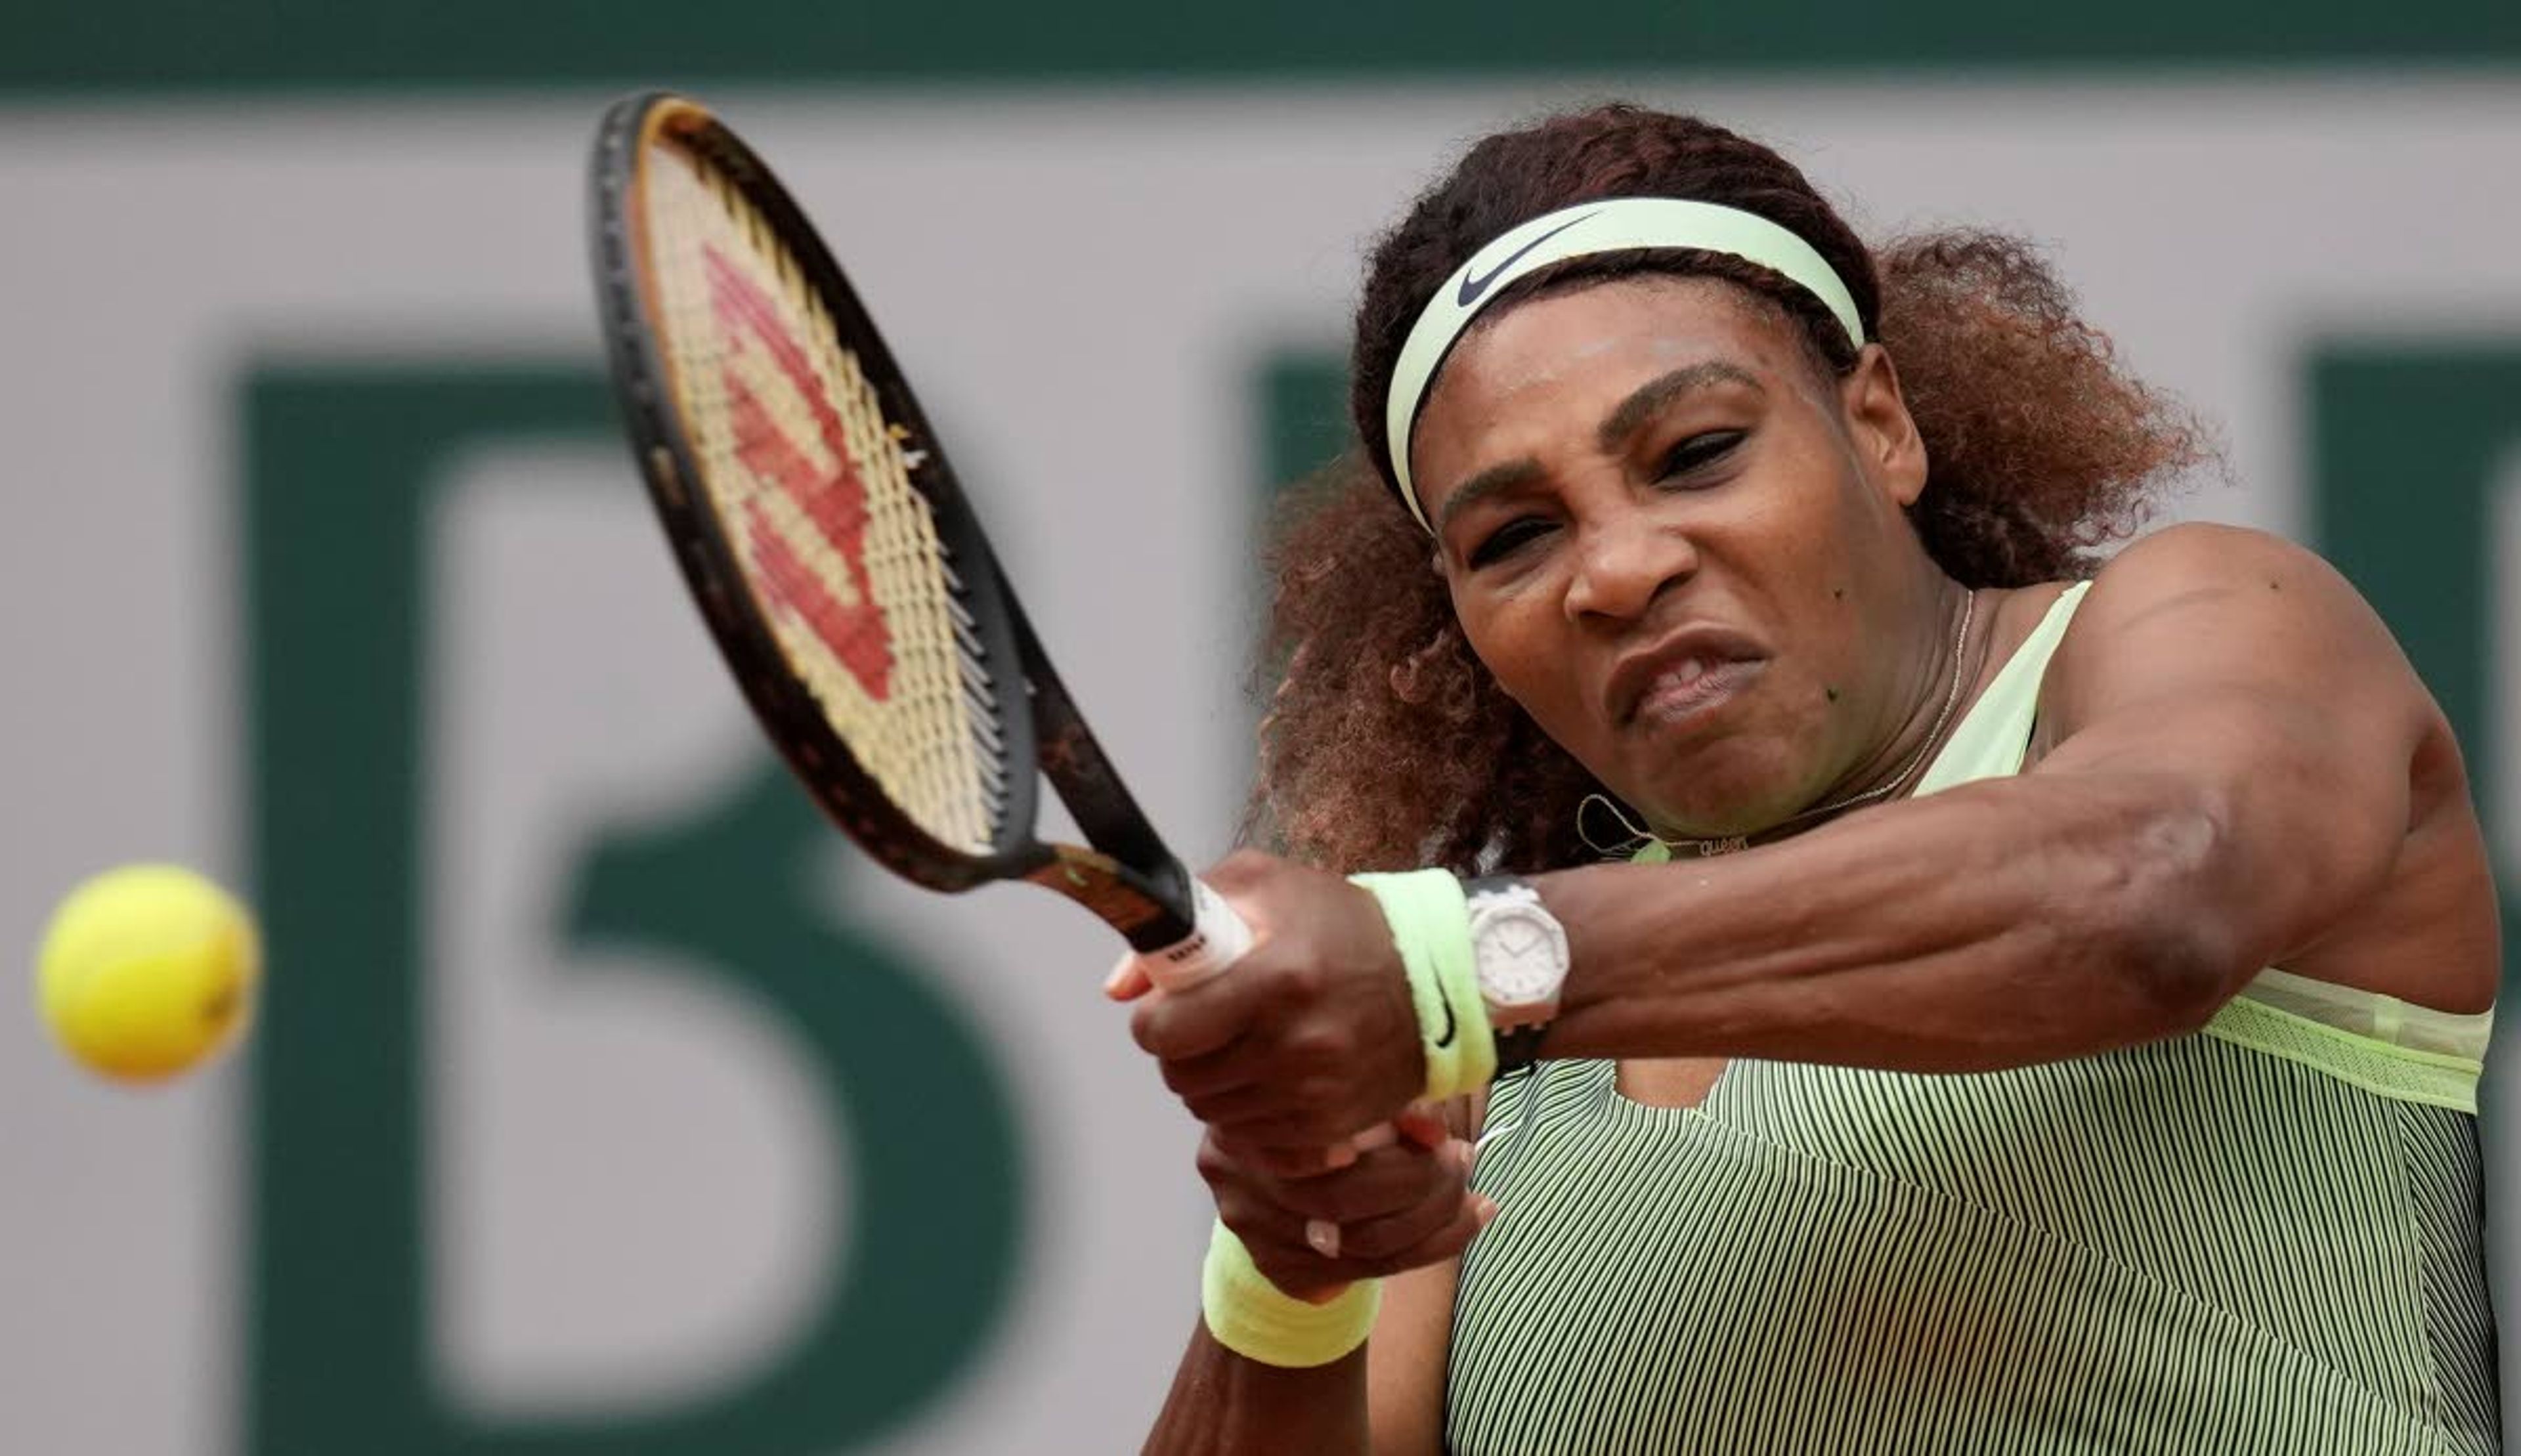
{"type": "Point", "coordinates": [1129, 875]}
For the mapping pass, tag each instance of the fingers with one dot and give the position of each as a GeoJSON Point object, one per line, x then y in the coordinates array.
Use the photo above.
{"type": "Point", "coordinates": [1297, 1117]}
{"type": "Point", "coordinates": [1202, 1019]}
{"type": "Point", "coordinates": [1404, 1201]}
{"type": "Point", "coordinates": [1422, 1125]}
{"type": "Point", "coordinates": [1243, 1115]}
{"type": "Point", "coordinates": [1294, 1119]}
{"type": "Point", "coordinates": [1375, 1236]}
{"type": "Point", "coordinates": [1294, 1164]}
{"type": "Point", "coordinates": [1384, 1182]}
{"type": "Point", "coordinates": [1313, 1037]}
{"type": "Point", "coordinates": [1418, 1124]}
{"type": "Point", "coordinates": [1398, 1234]}
{"type": "Point", "coordinates": [1128, 979]}
{"type": "Point", "coordinates": [1203, 1077]}
{"type": "Point", "coordinates": [1442, 1231]}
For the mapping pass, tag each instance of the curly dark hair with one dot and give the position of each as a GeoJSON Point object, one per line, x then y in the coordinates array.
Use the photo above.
{"type": "Point", "coordinates": [1388, 744]}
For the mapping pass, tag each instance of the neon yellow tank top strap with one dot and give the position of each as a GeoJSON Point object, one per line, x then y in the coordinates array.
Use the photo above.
{"type": "Point", "coordinates": [1993, 737]}
{"type": "Point", "coordinates": [2386, 1046]}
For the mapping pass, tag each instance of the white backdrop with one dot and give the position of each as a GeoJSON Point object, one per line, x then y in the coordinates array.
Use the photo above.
{"type": "Point", "coordinates": [1082, 282]}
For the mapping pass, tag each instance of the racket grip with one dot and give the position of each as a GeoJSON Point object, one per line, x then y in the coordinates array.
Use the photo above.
{"type": "Point", "coordinates": [1218, 938]}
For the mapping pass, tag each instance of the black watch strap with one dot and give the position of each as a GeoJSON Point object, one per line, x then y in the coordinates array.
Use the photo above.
{"type": "Point", "coordinates": [1518, 1049]}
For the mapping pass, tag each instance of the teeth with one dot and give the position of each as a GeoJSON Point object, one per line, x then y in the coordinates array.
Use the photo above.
{"type": "Point", "coordinates": [1690, 672]}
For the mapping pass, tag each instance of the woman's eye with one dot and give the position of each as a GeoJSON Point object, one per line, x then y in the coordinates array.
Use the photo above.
{"type": "Point", "coordinates": [1508, 538]}
{"type": "Point", "coordinates": [1700, 450]}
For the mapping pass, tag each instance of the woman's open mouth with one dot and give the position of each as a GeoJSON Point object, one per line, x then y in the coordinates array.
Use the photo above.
{"type": "Point", "coordinates": [1693, 688]}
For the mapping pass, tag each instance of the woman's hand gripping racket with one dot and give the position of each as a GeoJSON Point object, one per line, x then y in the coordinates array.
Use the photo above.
{"type": "Point", "coordinates": [840, 569]}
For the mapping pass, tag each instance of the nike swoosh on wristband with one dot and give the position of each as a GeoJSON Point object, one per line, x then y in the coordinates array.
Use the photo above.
{"type": "Point", "coordinates": [1446, 1002]}
{"type": "Point", "coordinates": [1472, 288]}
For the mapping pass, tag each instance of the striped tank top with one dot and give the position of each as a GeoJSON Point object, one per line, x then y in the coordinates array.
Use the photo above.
{"type": "Point", "coordinates": [2262, 1237]}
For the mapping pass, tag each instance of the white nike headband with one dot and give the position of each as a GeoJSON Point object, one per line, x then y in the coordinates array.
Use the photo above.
{"type": "Point", "coordinates": [1610, 225]}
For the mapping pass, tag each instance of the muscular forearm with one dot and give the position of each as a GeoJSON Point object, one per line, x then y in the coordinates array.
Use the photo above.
{"type": "Point", "coordinates": [1222, 1404]}
{"type": "Point", "coordinates": [1994, 926]}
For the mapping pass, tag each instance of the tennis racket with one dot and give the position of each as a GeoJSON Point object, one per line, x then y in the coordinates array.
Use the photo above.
{"type": "Point", "coordinates": [835, 557]}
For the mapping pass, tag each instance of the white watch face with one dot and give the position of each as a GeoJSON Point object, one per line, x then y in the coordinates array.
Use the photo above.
{"type": "Point", "coordinates": [1522, 954]}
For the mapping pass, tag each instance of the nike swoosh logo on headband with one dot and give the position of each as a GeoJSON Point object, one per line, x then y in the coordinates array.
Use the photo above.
{"type": "Point", "coordinates": [1473, 287]}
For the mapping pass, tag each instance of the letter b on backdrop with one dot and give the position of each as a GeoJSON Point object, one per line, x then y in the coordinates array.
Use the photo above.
{"type": "Point", "coordinates": [345, 470]}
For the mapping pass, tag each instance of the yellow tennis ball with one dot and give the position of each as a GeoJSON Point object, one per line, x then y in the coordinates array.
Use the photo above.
{"type": "Point", "coordinates": [148, 969]}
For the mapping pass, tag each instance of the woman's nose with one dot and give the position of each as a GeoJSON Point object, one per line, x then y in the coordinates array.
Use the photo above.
{"type": "Point", "coordinates": [1622, 565]}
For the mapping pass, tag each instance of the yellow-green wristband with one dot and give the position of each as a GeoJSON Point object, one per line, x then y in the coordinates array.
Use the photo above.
{"type": "Point", "coordinates": [1431, 927]}
{"type": "Point", "coordinates": [1259, 1321]}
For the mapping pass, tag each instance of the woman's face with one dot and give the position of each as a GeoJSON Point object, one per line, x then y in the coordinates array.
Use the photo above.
{"type": "Point", "coordinates": [1679, 545]}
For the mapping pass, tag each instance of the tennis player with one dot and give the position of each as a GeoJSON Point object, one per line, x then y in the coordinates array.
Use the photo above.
{"type": "Point", "coordinates": [1926, 981]}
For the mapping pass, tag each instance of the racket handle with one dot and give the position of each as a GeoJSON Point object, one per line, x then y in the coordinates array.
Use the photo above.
{"type": "Point", "coordinates": [1218, 938]}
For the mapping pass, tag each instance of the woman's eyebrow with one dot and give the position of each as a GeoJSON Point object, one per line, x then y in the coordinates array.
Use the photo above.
{"type": "Point", "coordinates": [1655, 393]}
{"type": "Point", "coordinates": [1486, 483]}
{"type": "Point", "coordinates": [1625, 420]}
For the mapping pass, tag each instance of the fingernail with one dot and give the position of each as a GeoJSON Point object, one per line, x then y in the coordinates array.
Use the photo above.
{"type": "Point", "coordinates": [1459, 1151]}
{"type": "Point", "coordinates": [1119, 974]}
{"type": "Point", "coordinates": [1340, 1156]}
{"type": "Point", "coordinates": [1484, 1209]}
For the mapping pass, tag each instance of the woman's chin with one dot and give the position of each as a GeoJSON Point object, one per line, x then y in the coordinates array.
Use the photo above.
{"type": "Point", "coordinates": [1710, 807]}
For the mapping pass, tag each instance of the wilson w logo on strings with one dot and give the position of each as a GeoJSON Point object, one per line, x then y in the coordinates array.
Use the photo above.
{"type": "Point", "coordinates": [830, 501]}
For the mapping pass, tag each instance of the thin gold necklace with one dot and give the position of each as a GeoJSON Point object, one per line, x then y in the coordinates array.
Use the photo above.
{"type": "Point", "coordinates": [1707, 849]}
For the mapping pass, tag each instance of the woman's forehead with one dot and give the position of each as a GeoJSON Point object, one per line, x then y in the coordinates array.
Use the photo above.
{"type": "Point", "coordinates": [1640, 325]}
{"type": "Point", "coordinates": [1567, 361]}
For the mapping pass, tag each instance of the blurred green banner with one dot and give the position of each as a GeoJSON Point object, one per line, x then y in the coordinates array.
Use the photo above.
{"type": "Point", "coordinates": [238, 45]}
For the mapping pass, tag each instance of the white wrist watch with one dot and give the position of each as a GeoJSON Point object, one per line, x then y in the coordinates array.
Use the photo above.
{"type": "Point", "coordinates": [1519, 951]}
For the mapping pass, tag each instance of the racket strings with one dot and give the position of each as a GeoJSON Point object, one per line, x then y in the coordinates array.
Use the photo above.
{"type": "Point", "coordinates": [812, 484]}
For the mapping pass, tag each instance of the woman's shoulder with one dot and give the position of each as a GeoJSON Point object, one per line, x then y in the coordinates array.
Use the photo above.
{"type": "Point", "coordinates": [2203, 596]}
{"type": "Point", "coordinates": [2184, 564]}
{"type": "Point", "coordinates": [2258, 633]}
{"type": "Point", "coordinates": [2197, 557]}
